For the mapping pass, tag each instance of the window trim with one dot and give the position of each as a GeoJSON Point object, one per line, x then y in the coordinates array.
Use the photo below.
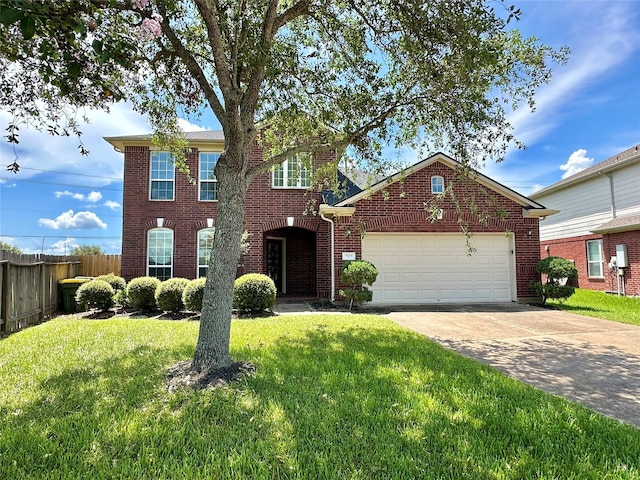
{"type": "Point", "coordinates": [151, 179]}
{"type": "Point", "coordinates": [600, 261]}
{"type": "Point", "coordinates": [437, 177]}
{"type": "Point", "coordinates": [285, 173]}
{"type": "Point", "coordinates": [148, 266]}
{"type": "Point", "coordinates": [201, 181]}
{"type": "Point", "coordinates": [199, 266]}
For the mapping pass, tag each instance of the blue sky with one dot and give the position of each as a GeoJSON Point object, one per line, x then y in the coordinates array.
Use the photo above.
{"type": "Point", "coordinates": [589, 112]}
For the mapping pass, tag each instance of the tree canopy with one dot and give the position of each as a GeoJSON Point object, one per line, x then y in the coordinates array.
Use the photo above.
{"type": "Point", "coordinates": [308, 75]}
{"type": "Point", "coordinates": [86, 250]}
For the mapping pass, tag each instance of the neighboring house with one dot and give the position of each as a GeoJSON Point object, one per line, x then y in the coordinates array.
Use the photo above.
{"type": "Point", "coordinates": [168, 223]}
{"type": "Point", "coordinates": [599, 219]}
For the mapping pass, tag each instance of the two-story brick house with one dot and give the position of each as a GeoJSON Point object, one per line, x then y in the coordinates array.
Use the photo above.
{"type": "Point", "coordinates": [599, 221]}
{"type": "Point", "coordinates": [168, 223]}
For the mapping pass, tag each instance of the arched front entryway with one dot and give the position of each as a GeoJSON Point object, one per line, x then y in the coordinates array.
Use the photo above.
{"type": "Point", "coordinates": [290, 260]}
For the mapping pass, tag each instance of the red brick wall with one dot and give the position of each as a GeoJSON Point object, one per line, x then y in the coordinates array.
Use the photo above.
{"type": "Point", "coordinates": [632, 272]}
{"type": "Point", "coordinates": [266, 209]}
{"type": "Point", "coordinates": [404, 210]}
{"type": "Point", "coordinates": [575, 248]}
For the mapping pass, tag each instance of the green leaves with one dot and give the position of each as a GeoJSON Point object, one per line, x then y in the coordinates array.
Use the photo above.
{"type": "Point", "coordinates": [27, 23]}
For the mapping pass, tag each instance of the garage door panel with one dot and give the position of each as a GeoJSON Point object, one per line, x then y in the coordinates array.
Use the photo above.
{"type": "Point", "coordinates": [432, 268]}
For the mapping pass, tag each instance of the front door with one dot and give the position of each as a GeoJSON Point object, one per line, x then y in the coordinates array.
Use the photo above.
{"type": "Point", "coordinates": [275, 261]}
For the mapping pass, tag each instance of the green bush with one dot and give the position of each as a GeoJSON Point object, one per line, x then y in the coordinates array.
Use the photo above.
{"type": "Point", "coordinates": [355, 275]}
{"type": "Point", "coordinates": [169, 294]}
{"type": "Point", "coordinates": [254, 292]}
{"type": "Point", "coordinates": [121, 299]}
{"type": "Point", "coordinates": [116, 282]}
{"type": "Point", "coordinates": [192, 295]}
{"type": "Point", "coordinates": [95, 294]}
{"type": "Point", "coordinates": [142, 292]}
{"type": "Point", "coordinates": [558, 271]}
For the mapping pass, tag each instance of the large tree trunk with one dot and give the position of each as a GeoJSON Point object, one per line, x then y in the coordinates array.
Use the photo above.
{"type": "Point", "coordinates": [212, 349]}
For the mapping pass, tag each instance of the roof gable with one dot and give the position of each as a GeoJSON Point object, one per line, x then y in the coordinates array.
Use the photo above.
{"type": "Point", "coordinates": [525, 202]}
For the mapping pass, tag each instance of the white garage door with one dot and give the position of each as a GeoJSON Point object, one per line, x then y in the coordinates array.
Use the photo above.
{"type": "Point", "coordinates": [435, 268]}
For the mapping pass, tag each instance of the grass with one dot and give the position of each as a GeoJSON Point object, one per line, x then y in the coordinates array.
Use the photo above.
{"type": "Point", "coordinates": [601, 305]}
{"type": "Point", "coordinates": [334, 397]}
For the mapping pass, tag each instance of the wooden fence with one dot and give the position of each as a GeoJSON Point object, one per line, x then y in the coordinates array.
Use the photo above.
{"type": "Point", "coordinates": [29, 291]}
{"type": "Point", "coordinates": [94, 265]}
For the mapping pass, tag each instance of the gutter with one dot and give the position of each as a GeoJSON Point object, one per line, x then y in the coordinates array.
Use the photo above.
{"type": "Point", "coordinates": [334, 212]}
{"type": "Point", "coordinates": [333, 257]}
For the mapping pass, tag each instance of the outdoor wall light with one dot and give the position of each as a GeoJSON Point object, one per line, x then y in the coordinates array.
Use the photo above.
{"type": "Point", "coordinates": [159, 222]}
{"type": "Point", "coordinates": [209, 222]}
{"type": "Point", "coordinates": [290, 221]}
{"type": "Point", "coordinates": [529, 233]}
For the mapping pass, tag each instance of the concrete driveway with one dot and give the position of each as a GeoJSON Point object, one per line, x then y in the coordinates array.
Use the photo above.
{"type": "Point", "coordinates": [587, 360]}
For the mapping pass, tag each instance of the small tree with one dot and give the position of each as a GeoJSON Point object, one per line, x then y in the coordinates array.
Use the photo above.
{"type": "Point", "coordinates": [557, 271]}
{"type": "Point", "coordinates": [356, 275]}
{"type": "Point", "coordinates": [80, 250]}
{"type": "Point", "coordinates": [9, 248]}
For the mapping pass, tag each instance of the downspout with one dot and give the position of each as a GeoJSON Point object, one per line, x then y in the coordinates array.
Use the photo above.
{"type": "Point", "coordinates": [613, 198]}
{"type": "Point", "coordinates": [333, 258]}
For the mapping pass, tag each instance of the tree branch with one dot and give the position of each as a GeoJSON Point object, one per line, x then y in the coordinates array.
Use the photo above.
{"type": "Point", "coordinates": [194, 68]}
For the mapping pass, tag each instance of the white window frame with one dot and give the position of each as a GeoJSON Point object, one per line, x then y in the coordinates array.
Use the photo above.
{"type": "Point", "coordinates": [199, 255]}
{"type": "Point", "coordinates": [440, 189]}
{"type": "Point", "coordinates": [290, 181]}
{"type": "Point", "coordinates": [154, 248]}
{"type": "Point", "coordinates": [207, 181]}
{"type": "Point", "coordinates": [168, 175]}
{"type": "Point", "coordinates": [599, 262]}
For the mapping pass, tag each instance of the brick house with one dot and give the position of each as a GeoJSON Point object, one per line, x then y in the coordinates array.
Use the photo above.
{"type": "Point", "coordinates": [599, 219]}
{"type": "Point", "coordinates": [168, 223]}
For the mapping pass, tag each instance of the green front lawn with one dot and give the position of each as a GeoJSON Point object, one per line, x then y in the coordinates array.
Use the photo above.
{"type": "Point", "coordinates": [601, 305]}
{"type": "Point", "coordinates": [333, 397]}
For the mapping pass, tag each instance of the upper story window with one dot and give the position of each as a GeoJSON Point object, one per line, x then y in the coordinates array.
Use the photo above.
{"type": "Point", "coordinates": [160, 253]}
{"type": "Point", "coordinates": [205, 245]}
{"type": "Point", "coordinates": [437, 185]}
{"type": "Point", "coordinates": [162, 176]}
{"type": "Point", "coordinates": [294, 172]}
{"type": "Point", "coordinates": [207, 179]}
{"type": "Point", "coordinates": [595, 263]}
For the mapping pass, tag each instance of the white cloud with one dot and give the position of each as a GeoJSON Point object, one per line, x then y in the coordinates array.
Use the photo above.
{"type": "Point", "coordinates": [112, 205]}
{"type": "Point", "coordinates": [62, 247]}
{"type": "Point", "coordinates": [80, 220]}
{"type": "Point", "coordinates": [187, 126]}
{"type": "Point", "coordinates": [61, 154]}
{"type": "Point", "coordinates": [577, 162]}
{"type": "Point", "coordinates": [592, 58]}
{"type": "Point", "coordinates": [93, 197]}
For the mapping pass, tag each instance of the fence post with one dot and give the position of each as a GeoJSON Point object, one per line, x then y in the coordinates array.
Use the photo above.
{"type": "Point", "coordinates": [6, 296]}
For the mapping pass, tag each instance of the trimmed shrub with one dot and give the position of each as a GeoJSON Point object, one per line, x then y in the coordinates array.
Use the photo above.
{"type": "Point", "coordinates": [116, 282]}
{"type": "Point", "coordinates": [95, 294]}
{"type": "Point", "coordinates": [557, 271]}
{"type": "Point", "coordinates": [355, 275]}
{"type": "Point", "coordinates": [254, 292]}
{"type": "Point", "coordinates": [169, 294]}
{"type": "Point", "coordinates": [193, 294]}
{"type": "Point", "coordinates": [142, 292]}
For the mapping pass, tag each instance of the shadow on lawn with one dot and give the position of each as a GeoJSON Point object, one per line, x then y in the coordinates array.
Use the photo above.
{"type": "Point", "coordinates": [365, 403]}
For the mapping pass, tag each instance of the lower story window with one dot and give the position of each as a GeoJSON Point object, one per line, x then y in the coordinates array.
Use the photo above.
{"type": "Point", "coordinates": [205, 245]}
{"type": "Point", "coordinates": [595, 258]}
{"type": "Point", "coordinates": [160, 253]}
